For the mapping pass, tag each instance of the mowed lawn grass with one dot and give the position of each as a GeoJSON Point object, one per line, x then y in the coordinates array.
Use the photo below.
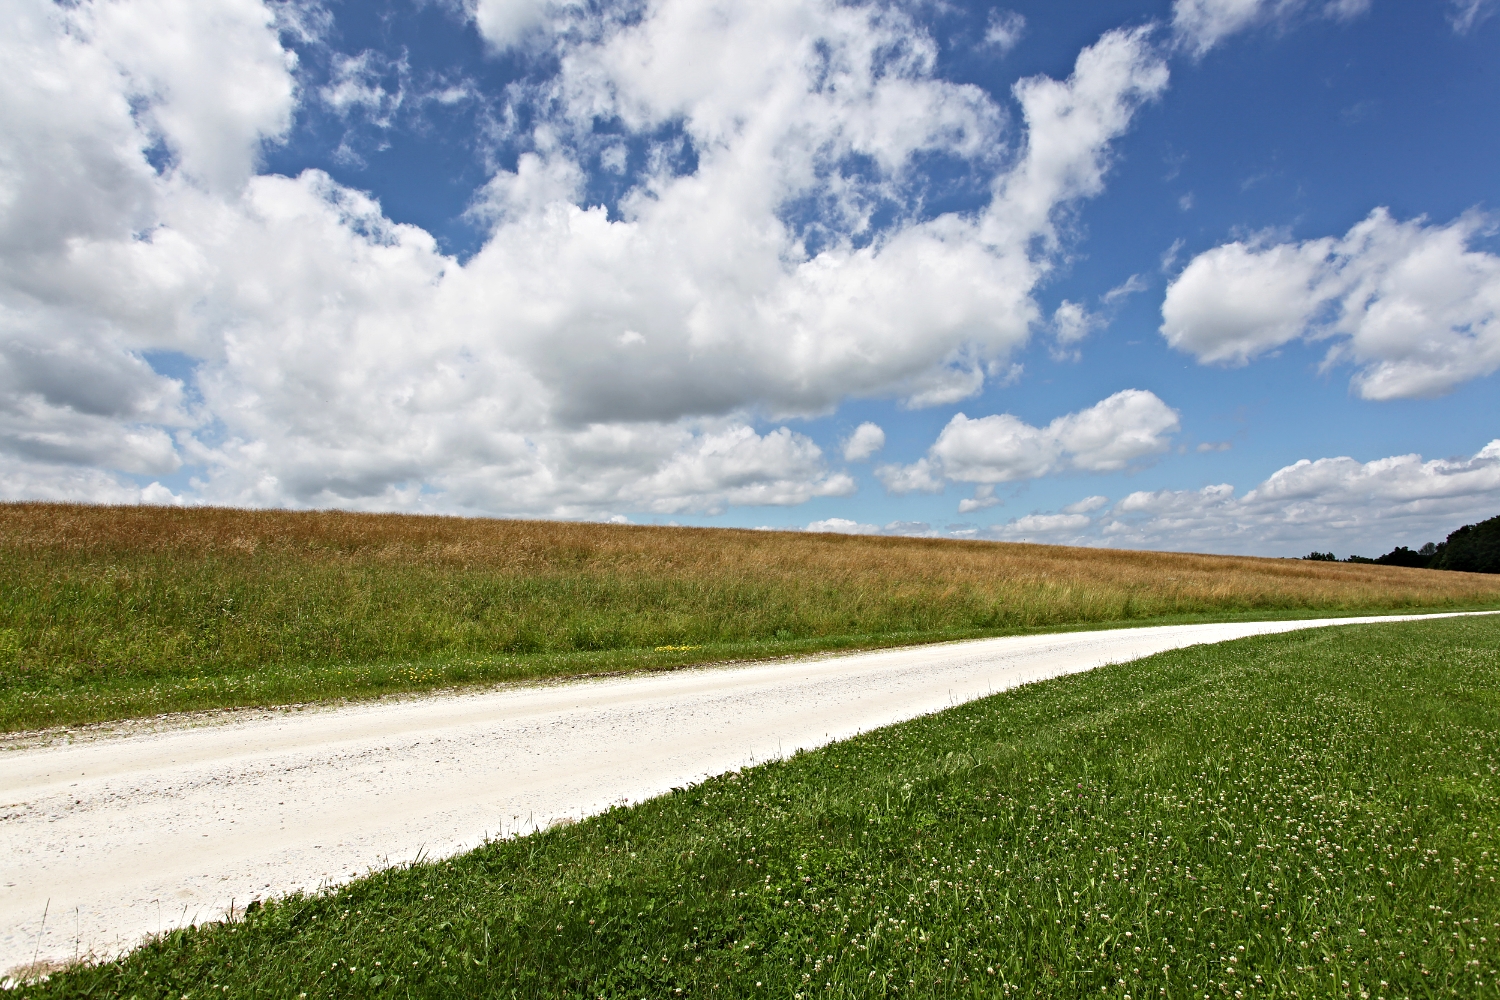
{"type": "Point", "coordinates": [120, 612]}
{"type": "Point", "coordinates": [1315, 814]}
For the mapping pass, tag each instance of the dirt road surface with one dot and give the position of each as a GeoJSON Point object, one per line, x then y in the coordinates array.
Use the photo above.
{"type": "Point", "coordinates": [110, 836]}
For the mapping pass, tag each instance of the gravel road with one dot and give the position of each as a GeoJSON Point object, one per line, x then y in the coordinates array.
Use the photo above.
{"type": "Point", "coordinates": [116, 835]}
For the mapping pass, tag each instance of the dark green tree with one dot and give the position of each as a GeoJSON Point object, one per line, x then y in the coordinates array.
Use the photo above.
{"type": "Point", "coordinates": [1403, 556]}
{"type": "Point", "coordinates": [1474, 548]}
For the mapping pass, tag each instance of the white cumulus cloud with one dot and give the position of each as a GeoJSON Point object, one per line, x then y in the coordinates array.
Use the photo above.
{"type": "Point", "coordinates": [582, 361]}
{"type": "Point", "coordinates": [898, 529]}
{"type": "Point", "coordinates": [1339, 504]}
{"type": "Point", "coordinates": [1112, 435]}
{"type": "Point", "coordinates": [983, 499]}
{"type": "Point", "coordinates": [866, 440]}
{"type": "Point", "coordinates": [843, 526]}
{"type": "Point", "coordinates": [506, 23]}
{"type": "Point", "coordinates": [24, 480]}
{"type": "Point", "coordinates": [1362, 507]}
{"type": "Point", "coordinates": [1056, 529]}
{"type": "Point", "coordinates": [1071, 322]}
{"type": "Point", "coordinates": [1087, 505]}
{"type": "Point", "coordinates": [921, 476]}
{"type": "Point", "coordinates": [1410, 304]}
{"type": "Point", "coordinates": [738, 467]}
{"type": "Point", "coordinates": [210, 79]}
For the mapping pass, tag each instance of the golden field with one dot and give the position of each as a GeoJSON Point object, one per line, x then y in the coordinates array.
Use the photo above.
{"type": "Point", "coordinates": [111, 612]}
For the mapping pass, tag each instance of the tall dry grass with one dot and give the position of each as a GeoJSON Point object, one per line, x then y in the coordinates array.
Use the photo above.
{"type": "Point", "coordinates": [137, 597]}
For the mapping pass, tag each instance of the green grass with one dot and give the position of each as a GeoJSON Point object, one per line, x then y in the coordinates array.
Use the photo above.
{"type": "Point", "coordinates": [80, 698]}
{"type": "Point", "coordinates": [112, 613]}
{"type": "Point", "coordinates": [1314, 814]}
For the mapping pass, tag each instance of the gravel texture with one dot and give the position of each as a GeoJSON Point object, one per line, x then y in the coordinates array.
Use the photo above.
{"type": "Point", "coordinates": [119, 833]}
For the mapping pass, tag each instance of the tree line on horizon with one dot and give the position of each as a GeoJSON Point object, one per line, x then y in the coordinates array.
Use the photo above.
{"type": "Point", "coordinates": [1474, 548]}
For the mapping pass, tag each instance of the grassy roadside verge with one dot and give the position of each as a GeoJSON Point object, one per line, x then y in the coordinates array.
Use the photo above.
{"type": "Point", "coordinates": [111, 613]}
{"type": "Point", "coordinates": [62, 702]}
{"type": "Point", "coordinates": [1314, 814]}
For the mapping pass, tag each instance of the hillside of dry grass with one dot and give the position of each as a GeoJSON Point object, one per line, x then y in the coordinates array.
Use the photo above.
{"type": "Point", "coordinates": [111, 612]}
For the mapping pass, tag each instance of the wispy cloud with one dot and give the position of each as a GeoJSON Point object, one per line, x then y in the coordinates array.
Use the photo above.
{"type": "Point", "coordinates": [1200, 25]}
{"type": "Point", "coordinates": [1004, 30]}
{"type": "Point", "coordinates": [1467, 14]}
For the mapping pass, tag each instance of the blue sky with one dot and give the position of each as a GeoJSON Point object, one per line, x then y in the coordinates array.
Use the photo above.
{"type": "Point", "coordinates": [1216, 275]}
